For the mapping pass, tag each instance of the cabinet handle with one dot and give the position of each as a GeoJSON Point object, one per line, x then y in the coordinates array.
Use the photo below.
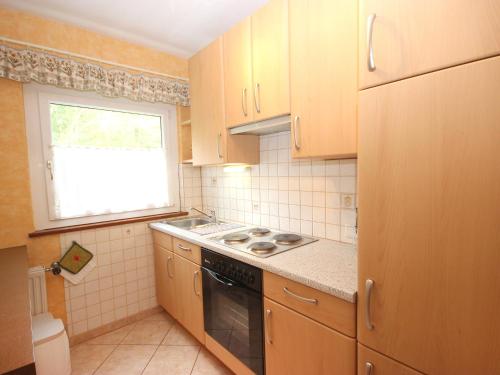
{"type": "Point", "coordinates": [371, 60]}
{"type": "Point", "coordinates": [169, 259]}
{"type": "Point", "coordinates": [256, 97]}
{"type": "Point", "coordinates": [244, 101]}
{"type": "Point", "coordinates": [50, 167]}
{"type": "Point", "coordinates": [369, 368]}
{"type": "Point", "coordinates": [296, 123]}
{"type": "Point", "coordinates": [368, 292]}
{"type": "Point", "coordinates": [268, 326]}
{"type": "Point", "coordinates": [300, 298]}
{"type": "Point", "coordinates": [219, 138]}
{"type": "Point", "coordinates": [195, 276]}
{"type": "Point", "coordinates": [183, 248]}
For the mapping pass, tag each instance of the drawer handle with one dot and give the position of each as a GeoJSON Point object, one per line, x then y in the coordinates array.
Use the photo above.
{"type": "Point", "coordinates": [300, 298]}
{"type": "Point", "coordinates": [369, 368]}
{"type": "Point", "coordinates": [219, 138]}
{"type": "Point", "coordinates": [269, 340]}
{"type": "Point", "coordinates": [169, 259]}
{"type": "Point", "coordinates": [296, 124]}
{"type": "Point", "coordinates": [195, 276]}
{"type": "Point", "coordinates": [371, 59]}
{"type": "Point", "coordinates": [368, 293]}
{"type": "Point", "coordinates": [183, 248]}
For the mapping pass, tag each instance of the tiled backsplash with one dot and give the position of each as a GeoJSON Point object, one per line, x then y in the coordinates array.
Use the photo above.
{"type": "Point", "coordinates": [121, 285]}
{"type": "Point", "coordinates": [310, 197]}
{"type": "Point", "coordinates": [190, 186]}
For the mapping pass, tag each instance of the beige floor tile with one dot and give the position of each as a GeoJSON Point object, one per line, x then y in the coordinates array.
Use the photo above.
{"type": "Point", "coordinates": [148, 332]}
{"type": "Point", "coordinates": [114, 337]}
{"type": "Point", "coordinates": [172, 360]}
{"type": "Point", "coordinates": [163, 315]}
{"type": "Point", "coordinates": [207, 364]}
{"type": "Point", "coordinates": [127, 360]}
{"type": "Point", "coordinates": [85, 359]}
{"type": "Point", "coordinates": [179, 336]}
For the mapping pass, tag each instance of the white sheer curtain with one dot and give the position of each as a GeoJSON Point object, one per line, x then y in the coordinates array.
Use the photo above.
{"type": "Point", "coordinates": [95, 181]}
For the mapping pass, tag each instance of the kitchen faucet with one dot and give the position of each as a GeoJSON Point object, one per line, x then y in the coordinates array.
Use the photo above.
{"type": "Point", "coordinates": [212, 216]}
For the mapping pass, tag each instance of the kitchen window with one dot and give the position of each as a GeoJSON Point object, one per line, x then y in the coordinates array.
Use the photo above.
{"type": "Point", "coordinates": [96, 159]}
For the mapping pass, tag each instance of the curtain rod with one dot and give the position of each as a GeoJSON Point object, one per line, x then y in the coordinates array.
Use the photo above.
{"type": "Point", "coordinates": [107, 62]}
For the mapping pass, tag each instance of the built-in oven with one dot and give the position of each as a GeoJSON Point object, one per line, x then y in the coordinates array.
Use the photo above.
{"type": "Point", "coordinates": [232, 307]}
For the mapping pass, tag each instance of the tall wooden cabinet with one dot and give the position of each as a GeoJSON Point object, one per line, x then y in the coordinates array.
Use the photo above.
{"type": "Point", "coordinates": [323, 77]}
{"type": "Point", "coordinates": [211, 142]}
{"type": "Point", "coordinates": [415, 37]}
{"type": "Point", "coordinates": [429, 214]}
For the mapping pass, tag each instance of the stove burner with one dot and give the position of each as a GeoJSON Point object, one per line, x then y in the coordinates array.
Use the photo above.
{"type": "Point", "coordinates": [287, 238]}
{"type": "Point", "coordinates": [259, 231]}
{"type": "Point", "coordinates": [262, 247]}
{"type": "Point", "coordinates": [235, 238]}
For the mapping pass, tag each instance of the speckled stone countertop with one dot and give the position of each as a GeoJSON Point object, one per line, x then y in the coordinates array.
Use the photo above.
{"type": "Point", "coordinates": [328, 266]}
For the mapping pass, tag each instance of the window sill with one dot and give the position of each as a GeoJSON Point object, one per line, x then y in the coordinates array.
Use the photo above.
{"type": "Point", "coordinates": [102, 224]}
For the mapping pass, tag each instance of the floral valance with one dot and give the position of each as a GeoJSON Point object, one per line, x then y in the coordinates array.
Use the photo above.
{"type": "Point", "coordinates": [29, 65]}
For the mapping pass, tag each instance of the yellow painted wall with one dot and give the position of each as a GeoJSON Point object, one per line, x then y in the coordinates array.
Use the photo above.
{"type": "Point", "coordinates": [16, 217]}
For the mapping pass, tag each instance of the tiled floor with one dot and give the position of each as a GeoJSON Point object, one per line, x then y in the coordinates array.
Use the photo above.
{"type": "Point", "coordinates": [153, 346]}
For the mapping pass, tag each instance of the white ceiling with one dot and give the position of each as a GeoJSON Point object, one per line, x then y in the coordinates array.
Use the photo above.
{"type": "Point", "coordinates": [179, 27]}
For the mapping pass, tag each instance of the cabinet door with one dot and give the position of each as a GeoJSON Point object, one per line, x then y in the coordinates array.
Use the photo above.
{"type": "Point", "coordinates": [414, 37]}
{"type": "Point", "coordinates": [238, 74]}
{"type": "Point", "coordinates": [429, 208]}
{"type": "Point", "coordinates": [270, 60]}
{"type": "Point", "coordinates": [323, 77]}
{"type": "Point", "coordinates": [371, 363]}
{"type": "Point", "coordinates": [207, 106]}
{"type": "Point", "coordinates": [189, 296]}
{"type": "Point", "coordinates": [164, 279]}
{"type": "Point", "coordinates": [298, 345]}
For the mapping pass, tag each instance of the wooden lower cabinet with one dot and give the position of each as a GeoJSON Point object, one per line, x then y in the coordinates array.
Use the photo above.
{"type": "Point", "coordinates": [298, 345]}
{"type": "Point", "coordinates": [188, 288]}
{"type": "Point", "coordinates": [164, 277]}
{"type": "Point", "coordinates": [373, 363]}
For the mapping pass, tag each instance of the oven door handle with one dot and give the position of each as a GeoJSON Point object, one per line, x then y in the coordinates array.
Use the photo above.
{"type": "Point", "coordinates": [220, 278]}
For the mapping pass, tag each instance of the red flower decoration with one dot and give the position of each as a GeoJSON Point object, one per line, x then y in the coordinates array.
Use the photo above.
{"type": "Point", "coordinates": [76, 258]}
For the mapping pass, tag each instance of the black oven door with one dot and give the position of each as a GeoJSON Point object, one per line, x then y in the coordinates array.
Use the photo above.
{"type": "Point", "coordinates": [233, 317]}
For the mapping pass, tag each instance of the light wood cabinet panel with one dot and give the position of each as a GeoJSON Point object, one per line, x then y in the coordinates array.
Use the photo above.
{"type": "Point", "coordinates": [188, 286]}
{"type": "Point", "coordinates": [429, 208]}
{"type": "Point", "coordinates": [270, 60]}
{"type": "Point", "coordinates": [162, 239]}
{"type": "Point", "coordinates": [298, 345]}
{"type": "Point", "coordinates": [414, 37]}
{"type": "Point", "coordinates": [211, 142]}
{"type": "Point", "coordinates": [207, 106]}
{"type": "Point", "coordinates": [187, 250]}
{"type": "Point", "coordinates": [184, 134]}
{"type": "Point", "coordinates": [164, 279]}
{"type": "Point", "coordinates": [369, 360]}
{"type": "Point", "coordinates": [329, 310]}
{"type": "Point", "coordinates": [238, 74]}
{"type": "Point", "coordinates": [323, 77]}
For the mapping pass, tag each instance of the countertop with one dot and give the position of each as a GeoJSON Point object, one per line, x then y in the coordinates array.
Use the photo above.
{"type": "Point", "coordinates": [328, 266]}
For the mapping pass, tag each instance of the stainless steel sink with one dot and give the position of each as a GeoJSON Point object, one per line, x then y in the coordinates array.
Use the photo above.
{"type": "Point", "coordinates": [189, 223]}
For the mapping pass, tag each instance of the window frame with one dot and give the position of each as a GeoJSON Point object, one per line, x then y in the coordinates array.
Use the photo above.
{"type": "Point", "coordinates": [37, 100]}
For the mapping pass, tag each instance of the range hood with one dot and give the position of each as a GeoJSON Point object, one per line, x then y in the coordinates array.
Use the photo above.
{"type": "Point", "coordinates": [273, 125]}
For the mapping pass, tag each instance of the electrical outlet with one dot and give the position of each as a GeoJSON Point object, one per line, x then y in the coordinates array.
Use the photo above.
{"type": "Point", "coordinates": [214, 181]}
{"type": "Point", "coordinates": [255, 207]}
{"type": "Point", "coordinates": [347, 201]}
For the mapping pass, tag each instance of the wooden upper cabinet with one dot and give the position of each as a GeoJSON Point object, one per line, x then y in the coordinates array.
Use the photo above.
{"type": "Point", "coordinates": [270, 60]}
{"type": "Point", "coordinates": [323, 77]}
{"type": "Point", "coordinates": [429, 208]}
{"type": "Point", "coordinates": [238, 74]}
{"type": "Point", "coordinates": [211, 142]}
{"type": "Point", "coordinates": [207, 106]}
{"type": "Point", "coordinates": [414, 37]}
{"type": "Point", "coordinates": [297, 345]}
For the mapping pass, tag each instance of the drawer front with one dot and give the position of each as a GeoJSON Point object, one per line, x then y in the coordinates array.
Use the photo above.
{"type": "Point", "coordinates": [324, 308]}
{"type": "Point", "coordinates": [162, 239]}
{"type": "Point", "coordinates": [187, 250]}
{"type": "Point", "coordinates": [371, 362]}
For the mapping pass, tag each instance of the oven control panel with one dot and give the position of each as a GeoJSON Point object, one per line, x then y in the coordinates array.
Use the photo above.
{"type": "Point", "coordinates": [232, 269]}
